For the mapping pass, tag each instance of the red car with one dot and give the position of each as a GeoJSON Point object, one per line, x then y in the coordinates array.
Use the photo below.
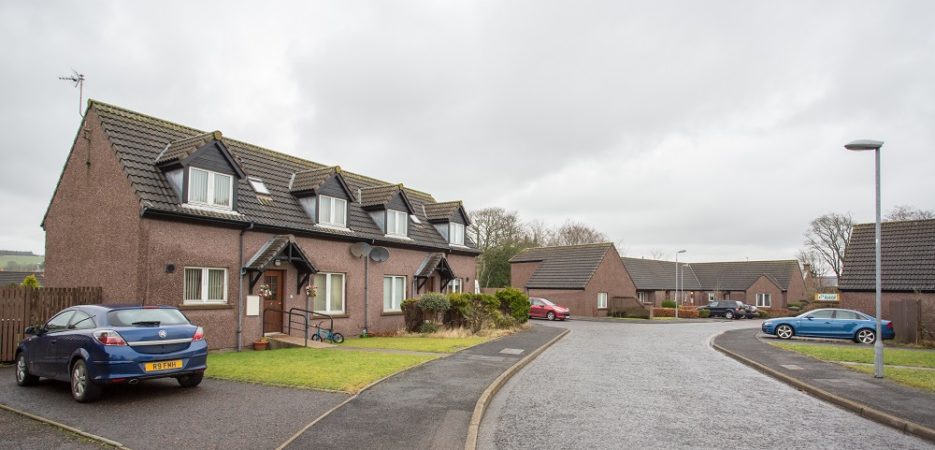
{"type": "Point", "coordinates": [544, 309]}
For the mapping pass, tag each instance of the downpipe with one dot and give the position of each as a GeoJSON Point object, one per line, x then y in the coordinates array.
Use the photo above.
{"type": "Point", "coordinates": [240, 297]}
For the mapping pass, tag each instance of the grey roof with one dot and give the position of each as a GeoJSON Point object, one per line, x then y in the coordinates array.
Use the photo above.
{"type": "Point", "coordinates": [138, 140]}
{"type": "Point", "coordinates": [907, 262]}
{"type": "Point", "coordinates": [433, 262]}
{"type": "Point", "coordinates": [183, 148]}
{"type": "Point", "coordinates": [312, 179]}
{"type": "Point", "coordinates": [379, 195]}
{"type": "Point", "coordinates": [723, 276]}
{"type": "Point", "coordinates": [651, 274]}
{"type": "Point", "coordinates": [565, 267]}
{"type": "Point", "coordinates": [444, 211]}
{"type": "Point", "coordinates": [7, 278]}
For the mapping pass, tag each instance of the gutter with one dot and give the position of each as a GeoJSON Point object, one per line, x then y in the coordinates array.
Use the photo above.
{"type": "Point", "coordinates": [240, 297]}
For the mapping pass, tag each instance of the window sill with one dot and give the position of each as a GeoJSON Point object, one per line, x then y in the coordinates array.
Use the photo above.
{"type": "Point", "coordinates": [204, 306]}
{"type": "Point", "coordinates": [392, 313]}
{"type": "Point", "coordinates": [333, 316]}
{"type": "Point", "coordinates": [398, 237]}
{"type": "Point", "coordinates": [332, 227]}
{"type": "Point", "coordinates": [218, 209]}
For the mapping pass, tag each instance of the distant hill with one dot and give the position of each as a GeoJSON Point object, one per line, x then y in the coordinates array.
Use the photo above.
{"type": "Point", "coordinates": [19, 261]}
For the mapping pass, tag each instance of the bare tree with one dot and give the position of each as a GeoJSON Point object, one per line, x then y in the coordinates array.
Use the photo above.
{"type": "Point", "coordinates": [656, 254]}
{"type": "Point", "coordinates": [904, 212]}
{"type": "Point", "coordinates": [538, 234]}
{"type": "Point", "coordinates": [827, 237]}
{"type": "Point", "coordinates": [574, 233]}
{"type": "Point", "coordinates": [495, 227]}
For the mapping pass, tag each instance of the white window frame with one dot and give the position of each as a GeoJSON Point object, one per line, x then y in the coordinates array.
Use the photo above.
{"type": "Point", "coordinates": [326, 291]}
{"type": "Point", "coordinates": [401, 218]}
{"type": "Point", "coordinates": [258, 186]}
{"type": "Point", "coordinates": [456, 238]}
{"type": "Point", "coordinates": [393, 296]}
{"type": "Point", "coordinates": [455, 285]}
{"type": "Point", "coordinates": [712, 297]}
{"type": "Point", "coordinates": [641, 296]}
{"type": "Point", "coordinates": [204, 287]}
{"type": "Point", "coordinates": [331, 204]}
{"type": "Point", "coordinates": [210, 191]}
{"type": "Point", "coordinates": [601, 300]}
{"type": "Point", "coordinates": [764, 300]}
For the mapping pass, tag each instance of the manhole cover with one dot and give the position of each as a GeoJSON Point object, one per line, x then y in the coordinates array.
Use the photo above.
{"type": "Point", "coordinates": [512, 351]}
{"type": "Point", "coordinates": [791, 366]}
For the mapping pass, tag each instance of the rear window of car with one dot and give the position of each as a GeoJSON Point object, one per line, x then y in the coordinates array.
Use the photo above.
{"type": "Point", "coordinates": [146, 317]}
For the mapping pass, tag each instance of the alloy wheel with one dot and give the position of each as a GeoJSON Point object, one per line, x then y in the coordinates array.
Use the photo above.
{"type": "Point", "coordinates": [20, 369]}
{"type": "Point", "coordinates": [784, 332]}
{"type": "Point", "coordinates": [866, 336]}
{"type": "Point", "coordinates": [79, 380]}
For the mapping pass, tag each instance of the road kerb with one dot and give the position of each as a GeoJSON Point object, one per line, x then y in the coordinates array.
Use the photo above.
{"type": "Point", "coordinates": [67, 428]}
{"type": "Point", "coordinates": [481, 406]}
{"type": "Point", "coordinates": [857, 407]}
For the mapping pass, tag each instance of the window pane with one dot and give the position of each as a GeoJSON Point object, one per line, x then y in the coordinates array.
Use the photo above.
{"type": "Point", "coordinates": [337, 292]}
{"type": "Point", "coordinates": [192, 284]}
{"type": "Point", "coordinates": [325, 214]}
{"type": "Point", "coordinates": [318, 302]}
{"type": "Point", "coordinates": [216, 281]}
{"type": "Point", "coordinates": [403, 220]}
{"type": "Point", "coordinates": [400, 291]}
{"type": "Point", "coordinates": [391, 222]}
{"type": "Point", "coordinates": [198, 186]}
{"type": "Point", "coordinates": [387, 293]}
{"type": "Point", "coordinates": [340, 208]}
{"type": "Point", "coordinates": [222, 185]}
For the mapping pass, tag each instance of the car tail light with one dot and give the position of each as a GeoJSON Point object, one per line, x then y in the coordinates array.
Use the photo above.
{"type": "Point", "coordinates": [889, 325]}
{"type": "Point", "coordinates": [199, 334]}
{"type": "Point", "coordinates": [109, 337]}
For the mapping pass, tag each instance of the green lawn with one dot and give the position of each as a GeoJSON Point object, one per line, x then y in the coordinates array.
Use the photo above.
{"type": "Point", "coordinates": [891, 356]}
{"type": "Point", "coordinates": [417, 343]}
{"type": "Point", "coordinates": [339, 370]}
{"type": "Point", "coordinates": [922, 377]}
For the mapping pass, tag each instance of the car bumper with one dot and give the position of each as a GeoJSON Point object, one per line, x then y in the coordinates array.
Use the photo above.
{"type": "Point", "coordinates": [768, 328]}
{"type": "Point", "coordinates": [126, 364]}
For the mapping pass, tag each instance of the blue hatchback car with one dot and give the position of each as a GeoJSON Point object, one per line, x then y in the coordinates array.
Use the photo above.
{"type": "Point", "coordinates": [95, 345]}
{"type": "Point", "coordinates": [829, 323]}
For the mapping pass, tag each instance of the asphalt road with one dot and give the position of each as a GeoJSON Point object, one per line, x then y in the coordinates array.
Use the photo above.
{"type": "Point", "coordinates": [22, 433]}
{"type": "Point", "coordinates": [631, 385]}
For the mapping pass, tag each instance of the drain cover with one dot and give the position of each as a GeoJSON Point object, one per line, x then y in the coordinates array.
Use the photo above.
{"type": "Point", "coordinates": [512, 351]}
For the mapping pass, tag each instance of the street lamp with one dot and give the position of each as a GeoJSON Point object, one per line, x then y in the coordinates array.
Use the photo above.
{"type": "Point", "coordinates": [860, 145]}
{"type": "Point", "coordinates": [677, 282]}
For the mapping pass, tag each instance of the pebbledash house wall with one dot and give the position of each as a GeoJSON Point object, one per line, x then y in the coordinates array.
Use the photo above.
{"type": "Point", "coordinates": [610, 276]}
{"type": "Point", "coordinates": [95, 236]}
{"type": "Point", "coordinates": [93, 222]}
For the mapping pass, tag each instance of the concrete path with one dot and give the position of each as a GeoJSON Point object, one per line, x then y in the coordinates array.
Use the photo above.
{"type": "Point", "coordinates": [913, 405]}
{"type": "Point", "coordinates": [426, 407]}
{"type": "Point", "coordinates": [158, 414]}
{"type": "Point", "coordinates": [619, 385]}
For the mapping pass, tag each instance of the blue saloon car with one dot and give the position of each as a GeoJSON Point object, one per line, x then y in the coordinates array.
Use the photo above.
{"type": "Point", "coordinates": [829, 323]}
{"type": "Point", "coordinates": [95, 345]}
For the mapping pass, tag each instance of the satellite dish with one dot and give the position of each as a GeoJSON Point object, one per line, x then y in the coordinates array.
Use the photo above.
{"type": "Point", "coordinates": [379, 254]}
{"type": "Point", "coordinates": [360, 249]}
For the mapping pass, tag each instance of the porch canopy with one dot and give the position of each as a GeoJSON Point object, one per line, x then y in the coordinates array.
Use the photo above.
{"type": "Point", "coordinates": [434, 262]}
{"type": "Point", "coordinates": [284, 248]}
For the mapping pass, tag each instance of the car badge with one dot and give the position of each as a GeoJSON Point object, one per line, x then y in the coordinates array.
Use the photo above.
{"type": "Point", "coordinates": [162, 334]}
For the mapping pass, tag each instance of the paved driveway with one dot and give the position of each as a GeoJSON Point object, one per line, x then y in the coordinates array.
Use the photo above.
{"type": "Point", "coordinates": [158, 414]}
{"type": "Point", "coordinates": [634, 385]}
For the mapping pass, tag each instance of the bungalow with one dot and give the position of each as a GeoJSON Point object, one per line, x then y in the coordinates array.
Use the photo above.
{"type": "Point", "coordinates": [160, 213]}
{"type": "Point", "coordinates": [766, 284]}
{"type": "Point", "coordinates": [580, 277]}
{"type": "Point", "coordinates": [907, 267]}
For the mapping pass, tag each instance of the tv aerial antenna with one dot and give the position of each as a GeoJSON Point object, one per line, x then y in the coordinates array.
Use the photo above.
{"type": "Point", "coordinates": [78, 79]}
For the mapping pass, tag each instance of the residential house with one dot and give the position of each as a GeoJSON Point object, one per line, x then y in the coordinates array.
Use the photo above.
{"type": "Point", "coordinates": [766, 284]}
{"type": "Point", "coordinates": [160, 213]}
{"type": "Point", "coordinates": [583, 278]}
{"type": "Point", "coordinates": [907, 267]}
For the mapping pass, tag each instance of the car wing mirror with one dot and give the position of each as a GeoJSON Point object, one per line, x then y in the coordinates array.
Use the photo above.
{"type": "Point", "coordinates": [809, 317]}
{"type": "Point", "coordinates": [29, 330]}
{"type": "Point", "coordinates": [34, 330]}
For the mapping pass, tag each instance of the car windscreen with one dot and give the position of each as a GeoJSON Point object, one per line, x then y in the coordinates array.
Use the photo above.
{"type": "Point", "coordinates": [146, 317]}
{"type": "Point", "coordinates": [547, 303]}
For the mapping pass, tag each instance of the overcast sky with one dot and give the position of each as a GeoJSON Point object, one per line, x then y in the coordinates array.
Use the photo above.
{"type": "Point", "coordinates": [716, 127]}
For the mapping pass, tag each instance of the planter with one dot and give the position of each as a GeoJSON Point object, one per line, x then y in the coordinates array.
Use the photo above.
{"type": "Point", "coordinates": [260, 345]}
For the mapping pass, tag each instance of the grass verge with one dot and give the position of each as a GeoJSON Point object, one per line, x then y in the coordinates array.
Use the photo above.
{"type": "Point", "coordinates": [338, 370]}
{"type": "Point", "coordinates": [918, 378]}
{"type": "Point", "coordinates": [418, 343]}
{"type": "Point", "coordinates": [891, 356]}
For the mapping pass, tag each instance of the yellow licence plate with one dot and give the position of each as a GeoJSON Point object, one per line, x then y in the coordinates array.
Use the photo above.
{"type": "Point", "coordinates": [163, 365]}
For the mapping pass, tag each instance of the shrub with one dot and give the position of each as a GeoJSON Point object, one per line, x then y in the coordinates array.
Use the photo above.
{"type": "Point", "coordinates": [428, 327]}
{"type": "Point", "coordinates": [501, 320]}
{"type": "Point", "coordinates": [688, 313]}
{"type": "Point", "coordinates": [30, 281]}
{"type": "Point", "coordinates": [663, 312]}
{"type": "Point", "coordinates": [458, 311]}
{"type": "Point", "coordinates": [704, 313]}
{"type": "Point", "coordinates": [515, 303]}
{"type": "Point", "coordinates": [668, 304]}
{"type": "Point", "coordinates": [481, 310]}
{"type": "Point", "coordinates": [635, 312]}
{"type": "Point", "coordinates": [412, 314]}
{"type": "Point", "coordinates": [762, 314]}
{"type": "Point", "coordinates": [434, 302]}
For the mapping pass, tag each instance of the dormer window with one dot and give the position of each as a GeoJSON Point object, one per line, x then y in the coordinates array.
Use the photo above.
{"type": "Point", "coordinates": [209, 188]}
{"type": "Point", "coordinates": [456, 234]}
{"type": "Point", "coordinates": [397, 223]}
{"type": "Point", "coordinates": [332, 211]}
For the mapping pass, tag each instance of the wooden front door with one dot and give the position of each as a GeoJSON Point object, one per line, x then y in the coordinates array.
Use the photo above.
{"type": "Point", "coordinates": [272, 322]}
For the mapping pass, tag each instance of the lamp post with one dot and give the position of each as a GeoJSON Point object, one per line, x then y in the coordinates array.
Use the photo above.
{"type": "Point", "coordinates": [677, 282]}
{"type": "Point", "coordinates": [861, 145]}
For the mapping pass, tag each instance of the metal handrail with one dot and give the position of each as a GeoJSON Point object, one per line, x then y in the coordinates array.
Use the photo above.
{"type": "Point", "coordinates": [306, 316]}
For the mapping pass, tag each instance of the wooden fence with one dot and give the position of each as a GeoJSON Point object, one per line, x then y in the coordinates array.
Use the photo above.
{"type": "Point", "coordinates": [21, 307]}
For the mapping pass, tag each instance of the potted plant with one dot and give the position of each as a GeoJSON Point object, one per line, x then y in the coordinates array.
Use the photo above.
{"type": "Point", "coordinates": [311, 291]}
{"type": "Point", "coordinates": [261, 343]}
